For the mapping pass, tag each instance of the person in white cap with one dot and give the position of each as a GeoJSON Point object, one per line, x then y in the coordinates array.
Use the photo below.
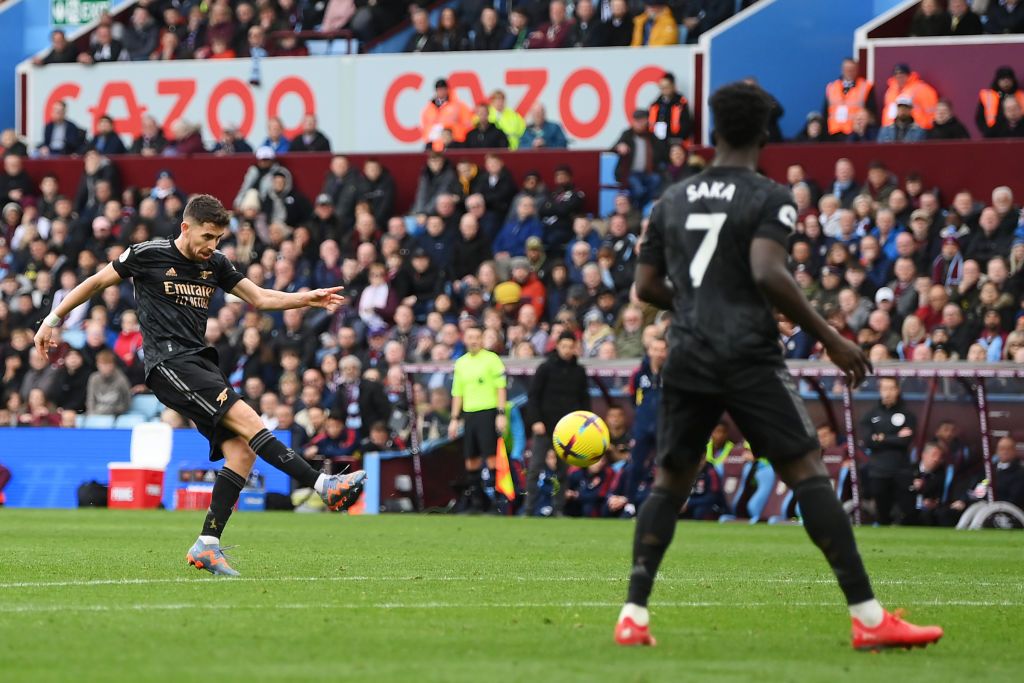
{"type": "Point", "coordinates": [260, 176]}
{"type": "Point", "coordinates": [903, 128]}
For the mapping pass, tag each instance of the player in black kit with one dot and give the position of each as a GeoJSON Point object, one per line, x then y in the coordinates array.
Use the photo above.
{"type": "Point", "coordinates": [715, 254]}
{"type": "Point", "coordinates": [174, 280]}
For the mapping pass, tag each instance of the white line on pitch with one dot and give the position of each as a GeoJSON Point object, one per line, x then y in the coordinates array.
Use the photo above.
{"type": "Point", "coordinates": [197, 580]}
{"type": "Point", "coordinates": [142, 607]}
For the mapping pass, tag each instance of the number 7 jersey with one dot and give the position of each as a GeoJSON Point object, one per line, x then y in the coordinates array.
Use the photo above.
{"type": "Point", "coordinates": [699, 236]}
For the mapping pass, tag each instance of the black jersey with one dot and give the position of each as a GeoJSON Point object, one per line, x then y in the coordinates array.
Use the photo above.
{"type": "Point", "coordinates": [699, 235]}
{"type": "Point", "coordinates": [173, 295]}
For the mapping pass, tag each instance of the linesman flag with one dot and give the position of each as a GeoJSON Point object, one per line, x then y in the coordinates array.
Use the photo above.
{"type": "Point", "coordinates": [503, 483]}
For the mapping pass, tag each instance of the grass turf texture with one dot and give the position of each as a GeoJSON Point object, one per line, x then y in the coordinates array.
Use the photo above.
{"type": "Point", "coordinates": [106, 596]}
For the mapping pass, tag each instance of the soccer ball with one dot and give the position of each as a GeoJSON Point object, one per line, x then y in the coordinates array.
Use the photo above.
{"type": "Point", "coordinates": [580, 438]}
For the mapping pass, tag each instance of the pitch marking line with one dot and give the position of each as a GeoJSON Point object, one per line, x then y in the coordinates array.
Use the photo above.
{"type": "Point", "coordinates": [1004, 585]}
{"type": "Point", "coordinates": [17, 609]}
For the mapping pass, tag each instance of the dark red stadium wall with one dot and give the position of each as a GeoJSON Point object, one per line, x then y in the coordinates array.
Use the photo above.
{"type": "Point", "coordinates": [957, 69]}
{"type": "Point", "coordinates": [951, 166]}
{"type": "Point", "coordinates": [977, 166]}
{"type": "Point", "coordinates": [222, 176]}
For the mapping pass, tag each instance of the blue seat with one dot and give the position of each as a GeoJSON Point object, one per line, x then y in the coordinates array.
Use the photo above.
{"type": "Point", "coordinates": [129, 420]}
{"type": "Point", "coordinates": [98, 422]}
{"type": "Point", "coordinates": [147, 405]}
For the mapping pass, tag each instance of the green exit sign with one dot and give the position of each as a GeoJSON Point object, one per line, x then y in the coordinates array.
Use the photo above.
{"type": "Point", "coordinates": [76, 12]}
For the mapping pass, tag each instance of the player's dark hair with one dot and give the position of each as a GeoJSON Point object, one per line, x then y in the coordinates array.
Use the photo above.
{"type": "Point", "coordinates": [741, 112]}
{"type": "Point", "coordinates": [204, 208]}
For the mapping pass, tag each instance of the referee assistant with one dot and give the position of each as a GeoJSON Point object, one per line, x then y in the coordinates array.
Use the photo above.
{"type": "Point", "coordinates": [478, 393]}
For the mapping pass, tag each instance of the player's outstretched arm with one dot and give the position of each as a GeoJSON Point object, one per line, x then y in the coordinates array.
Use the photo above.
{"type": "Point", "coordinates": [272, 300]}
{"type": "Point", "coordinates": [768, 266]}
{"type": "Point", "coordinates": [87, 289]}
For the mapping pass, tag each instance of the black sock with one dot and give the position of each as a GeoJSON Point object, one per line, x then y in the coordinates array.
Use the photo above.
{"type": "Point", "coordinates": [226, 490]}
{"type": "Point", "coordinates": [829, 527]}
{"type": "Point", "coordinates": [655, 526]}
{"type": "Point", "coordinates": [268, 447]}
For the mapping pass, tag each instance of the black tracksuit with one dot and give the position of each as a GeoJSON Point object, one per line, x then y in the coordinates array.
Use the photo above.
{"type": "Point", "coordinates": [889, 470]}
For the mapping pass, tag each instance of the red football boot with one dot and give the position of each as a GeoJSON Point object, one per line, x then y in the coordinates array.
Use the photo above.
{"type": "Point", "coordinates": [893, 632]}
{"type": "Point", "coordinates": [628, 633]}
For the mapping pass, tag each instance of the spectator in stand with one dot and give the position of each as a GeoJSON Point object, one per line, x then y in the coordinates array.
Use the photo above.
{"type": "Point", "coordinates": [11, 144]}
{"type": "Point", "coordinates": [231, 142]}
{"type": "Point", "coordinates": [962, 20]}
{"type": "Point", "coordinates": [60, 52]}
{"type": "Point", "coordinates": [993, 337]}
{"type": "Point", "coordinates": [15, 184]}
{"type": "Point", "coordinates": [814, 129]}
{"type": "Point", "coordinates": [140, 35]}
{"type": "Point", "coordinates": [506, 119]}
{"type": "Point", "coordinates": [442, 113]}
{"type": "Point", "coordinates": [496, 185]}
{"type": "Point", "coordinates": [636, 166]}
{"type": "Point", "coordinates": [990, 114]}
{"type": "Point", "coordinates": [511, 240]}
{"type": "Point", "coordinates": [377, 187]}
{"type": "Point", "coordinates": [905, 83]}
{"type": "Point", "coordinates": [61, 136]}
{"type": "Point", "coordinates": [104, 48]}
{"type": "Point", "coordinates": [656, 27]}
{"type": "Point", "coordinates": [1005, 16]}
{"type": "Point", "coordinates": [108, 391]}
{"type": "Point", "coordinates": [276, 139]}
{"type": "Point", "coordinates": [947, 126]}
{"type": "Point", "coordinates": [929, 20]}
{"type": "Point", "coordinates": [489, 33]}
{"type": "Point", "coordinates": [541, 133]}
{"type": "Point", "coordinates": [1008, 212]}
{"type": "Point", "coordinates": [844, 185]}
{"type": "Point", "coordinates": [518, 30]}
{"type": "Point", "coordinates": [151, 141]}
{"type": "Point", "coordinates": [558, 210]}
{"type": "Point", "coordinates": [903, 128]}
{"type": "Point", "coordinates": [617, 28]}
{"type": "Point", "coordinates": [71, 383]}
{"type": "Point", "coordinates": [989, 241]}
{"type": "Point", "coordinates": [556, 32]}
{"type": "Point", "coordinates": [186, 139]}
{"type": "Point", "coordinates": [484, 135]}
{"type": "Point", "coordinates": [423, 38]}
{"type": "Point", "coordinates": [1012, 123]}
{"type": "Point", "coordinates": [107, 141]}
{"type": "Point", "coordinates": [559, 386]}
{"type": "Point", "coordinates": [587, 30]}
{"type": "Point", "coordinates": [846, 97]}
{"type": "Point", "coordinates": [449, 34]}
{"type": "Point", "coordinates": [311, 139]}
{"type": "Point", "coordinates": [435, 178]}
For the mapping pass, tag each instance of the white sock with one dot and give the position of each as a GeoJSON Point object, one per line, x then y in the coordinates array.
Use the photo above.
{"type": "Point", "coordinates": [320, 482]}
{"type": "Point", "coordinates": [210, 540]}
{"type": "Point", "coordinates": [869, 613]}
{"type": "Point", "coordinates": [635, 612]}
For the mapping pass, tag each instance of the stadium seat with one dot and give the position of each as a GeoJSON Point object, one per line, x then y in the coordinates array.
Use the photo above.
{"type": "Point", "coordinates": [98, 421]}
{"type": "Point", "coordinates": [147, 405]}
{"type": "Point", "coordinates": [129, 420]}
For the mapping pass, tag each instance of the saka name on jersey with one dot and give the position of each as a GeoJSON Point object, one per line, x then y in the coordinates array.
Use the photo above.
{"type": "Point", "coordinates": [173, 295]}
{"type": "Point", "coordinates": [699, 235]}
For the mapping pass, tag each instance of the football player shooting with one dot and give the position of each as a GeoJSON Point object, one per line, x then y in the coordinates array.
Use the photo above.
{"type": "Point", "coordinates": [174, 280]}
{"type": "Point", "coordinates": [715, 254]}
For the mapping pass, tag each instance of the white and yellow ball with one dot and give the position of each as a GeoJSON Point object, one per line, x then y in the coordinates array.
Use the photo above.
{"type": "Point", "coordinates": [580, 438]}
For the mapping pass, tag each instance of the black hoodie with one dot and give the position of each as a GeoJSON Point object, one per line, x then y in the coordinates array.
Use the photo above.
{"type": "Point", "coordinates": [558, 388]}
{"type": "Point", "coordinates": [979, 114]}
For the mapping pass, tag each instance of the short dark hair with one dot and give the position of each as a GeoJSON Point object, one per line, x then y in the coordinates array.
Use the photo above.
{"type": "Point", "coordinates": [670, 77]}
{"type": "Point", "coordinates": [204, 208]}
{"type": "Point", "coordinates": [741, 112]}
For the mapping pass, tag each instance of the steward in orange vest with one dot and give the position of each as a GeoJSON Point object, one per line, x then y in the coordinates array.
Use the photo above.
{"type": "Point", "coordinates": [668, 119]}
{"type": "Point", "coordinates": [990, 100]}
{"type": "Point", "coordinates": [907, 83]}
{"type": "Point", "coordinates": [444, 111]}
{"type": "Point", "coordinates": [845, 97]}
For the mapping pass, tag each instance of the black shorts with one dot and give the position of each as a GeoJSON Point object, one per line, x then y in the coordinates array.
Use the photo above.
{"type": "Point", "coordinates": [480, 439]}
{"type": "Point", "coordinates": [194, 386]}
{"type": "Point", "coordinates": [761, 399]}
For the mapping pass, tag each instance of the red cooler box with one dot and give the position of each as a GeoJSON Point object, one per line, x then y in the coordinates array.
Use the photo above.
{"type": "Point", "coordinates": [134, 486]}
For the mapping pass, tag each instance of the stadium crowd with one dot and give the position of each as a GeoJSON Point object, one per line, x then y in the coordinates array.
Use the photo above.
{"type": "Point", "coordinates": [162, 30]}
{"type": "Point", "coordinates": [935, 18]}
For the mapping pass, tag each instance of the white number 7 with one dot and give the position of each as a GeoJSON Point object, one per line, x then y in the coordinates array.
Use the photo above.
{"type": "Point", "coordinates": [712, 222]}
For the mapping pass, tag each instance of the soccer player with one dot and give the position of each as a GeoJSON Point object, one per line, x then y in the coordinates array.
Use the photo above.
{"type": "Point", "coordinates": [174, 280]}
{"type": "Point", "coordinates": [715, 254]}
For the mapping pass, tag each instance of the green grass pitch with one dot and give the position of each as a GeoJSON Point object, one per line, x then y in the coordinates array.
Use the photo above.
{"type": "Point", "coordinates": [106, 596]}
